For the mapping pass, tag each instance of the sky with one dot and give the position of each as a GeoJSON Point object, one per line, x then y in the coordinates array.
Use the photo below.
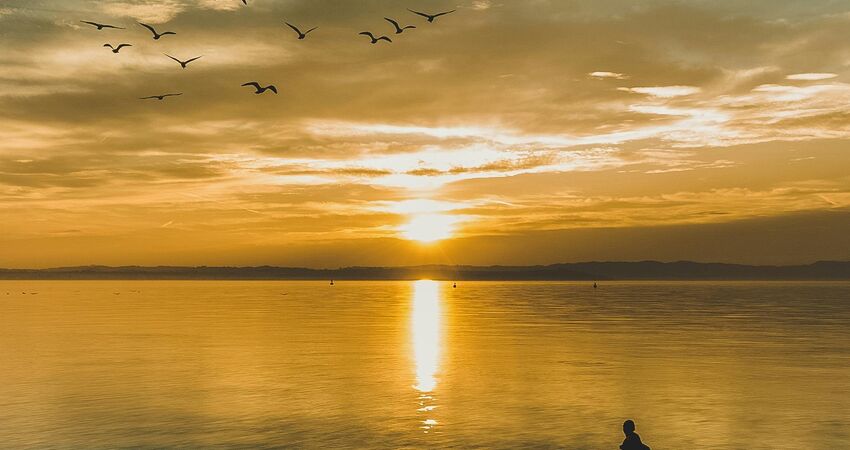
{"type": "Point", "coordinates": [508, 132]}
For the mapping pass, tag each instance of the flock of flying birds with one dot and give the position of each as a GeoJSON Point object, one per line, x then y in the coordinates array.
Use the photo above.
{"type": "Point", "coordinates": [258, 88]}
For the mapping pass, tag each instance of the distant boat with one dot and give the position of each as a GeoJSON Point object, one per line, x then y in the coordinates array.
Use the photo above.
{"type": "Point", "coordinates": [332, 282]}
{"type": "Point", "coordinates": [594, 285]}
{"type": "Point", "coordinates": [454, 285]}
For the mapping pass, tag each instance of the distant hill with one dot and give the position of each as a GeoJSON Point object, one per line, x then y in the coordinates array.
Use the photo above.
{"type": "Point", "coordinates": [643, 270]}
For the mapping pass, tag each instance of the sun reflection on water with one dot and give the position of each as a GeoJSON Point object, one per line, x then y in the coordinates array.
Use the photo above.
{"type": "Point", "coordinates": [425, 324]}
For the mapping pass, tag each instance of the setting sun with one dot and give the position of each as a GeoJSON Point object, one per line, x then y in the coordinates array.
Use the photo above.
{"type": "Point", "coordinates": [429, 228]}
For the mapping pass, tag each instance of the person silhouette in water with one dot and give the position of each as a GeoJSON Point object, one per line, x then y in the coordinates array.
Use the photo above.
{"type": "Point", "coordinates": [632, 440]}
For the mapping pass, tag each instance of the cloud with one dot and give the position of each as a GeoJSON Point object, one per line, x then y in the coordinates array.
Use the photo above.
{"type": "Point", "coordinates": [511, 129]}
{"type": "Point", "coordinates": [781, 93]}
{"type": "Point", "coordinates": [663, 91]}
{"type": "Point", "coordinates": [481, 5]}
{"type": "Point", "coordinates": [615, 75]}
{"type": "Point", "coordinates": [154, 11]}
{"type": "Point", "coordinates": [811, 76]}
{"type": "Point", "coordinates": [218, 5]}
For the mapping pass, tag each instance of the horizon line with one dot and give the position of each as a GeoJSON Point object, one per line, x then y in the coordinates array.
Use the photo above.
{"type": "Point", "coordinates": [585, 271]}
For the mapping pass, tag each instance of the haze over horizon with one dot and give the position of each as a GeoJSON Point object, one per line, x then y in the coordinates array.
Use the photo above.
{"type": "Point", "coordinates": [512, 133]}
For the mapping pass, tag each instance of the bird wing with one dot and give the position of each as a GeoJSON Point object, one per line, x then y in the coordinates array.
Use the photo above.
{"type": "Point", "coordinates": [148, 98]}
{"type": "Point", "coordinates": [444, 13]}
{"type": "Point", "coordinates": [409, 26]}
{"type": "Point", "coordinates": [167, 32]}
{"type": "Point", "coordinates": [366, 33]}
{"type": "Point", "coordinates": [197, 57]}
{"type": "Point", "coordinates": [311, 29]}
{"type": "Point", "coordinates": [109, 45]}
{"type": "Point", "coordinates": [419, 13]}
{"type": "Point", "coordinates": [123, 45]}
{"type": "Point", "coordinates": [395, 24]}
{"type": "Point", "coordinates": [111, 26]}
{"type": "Point", "coordinates": [173, 95]}
{"type": "Point", "coordinates": [273, 88]}
{"type": "Point", "coordinates": [149, 28]}
{"type": "Point", "coordinates": [166, 54]}
{"type": "Point", "coordinates": [252, 83]}
{"type": "Point", "coordinates": [384, 38]}
{"type": "Point", "coordinates": [90, 23]}
{"type": "Point", "coordinates": [294, 28]}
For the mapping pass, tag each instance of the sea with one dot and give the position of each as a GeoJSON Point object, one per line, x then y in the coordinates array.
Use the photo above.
{"type": "Point", "coordinates": [422, 364]}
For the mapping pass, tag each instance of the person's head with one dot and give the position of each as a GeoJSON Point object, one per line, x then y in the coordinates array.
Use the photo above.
{"type": "Point", "coordinates": [628, 427]}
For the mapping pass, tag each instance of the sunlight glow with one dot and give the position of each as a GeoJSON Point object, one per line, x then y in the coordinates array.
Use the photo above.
{"type": "Point", "coordinates": [429, 227]}
{"type": "Point", "coordinates": [420, 206]}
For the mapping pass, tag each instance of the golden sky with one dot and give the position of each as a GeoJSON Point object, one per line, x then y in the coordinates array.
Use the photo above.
{"type": "Point", "coordinates": [512, 132]}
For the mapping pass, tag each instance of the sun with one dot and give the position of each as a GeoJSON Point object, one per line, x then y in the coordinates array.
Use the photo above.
{"type": "Point", "coordinates": [427, 228]}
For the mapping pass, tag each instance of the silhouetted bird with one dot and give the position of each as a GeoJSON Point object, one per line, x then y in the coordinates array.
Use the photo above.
{"type": "Point", "coordinates": [245, 2]}
{"type": "Point", "coordinates": [101, 26]}
{"type": "Point", "coordinates": [431, 17]}
{"type": "Point", "coordinates": [632, 440]}
{"type": "Point", "coordinates": [300, 34]}
{"type": "Point", "coordinates": [374, 39]}
{"type": "Point", "coordinates": [261, 89]}
{"type": "Point", "coordinates": [117, 49]}
{"type": "Point", "coordinates": [398, 29]}
{"type": "Point", "coordinates": [160, 97]}
{"type": "Point", "coordinates": [156, 35]}
{"type": "Point", "coordinates": [183, 63]}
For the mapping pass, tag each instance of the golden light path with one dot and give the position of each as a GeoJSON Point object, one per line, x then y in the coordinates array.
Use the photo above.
{"type": "Point", "coordinates": [426, 329]}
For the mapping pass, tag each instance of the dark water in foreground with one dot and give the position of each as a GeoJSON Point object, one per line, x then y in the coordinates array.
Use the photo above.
{"type": "Point", "coordinates": [422, 365]}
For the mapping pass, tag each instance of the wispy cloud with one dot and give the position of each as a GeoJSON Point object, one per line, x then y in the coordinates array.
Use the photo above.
{"type": "Point", "coordinates": [811, 76]}
{"type": "Point", "coordinates": [663, 91]}
{"type": "Point", "coordinates": [155, 11]}
{"type": "Point", "coordinates": [614, 75]}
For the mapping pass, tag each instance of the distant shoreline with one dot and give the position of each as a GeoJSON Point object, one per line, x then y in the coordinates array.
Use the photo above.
{"type": "Point", "coordinates": [585, 271]}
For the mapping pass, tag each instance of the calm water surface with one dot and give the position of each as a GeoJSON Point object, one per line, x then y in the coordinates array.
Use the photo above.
{"type": "Point", "coordinates": [421, 365]}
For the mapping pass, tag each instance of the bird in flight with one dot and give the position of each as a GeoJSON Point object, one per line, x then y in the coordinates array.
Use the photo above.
{"type": "Point", "coordinates": [117, 49]}
{"type": "Point", "coordinates": [183, 63]}
{"type": "Point", "coordinates": [261, 89]}
{"type": "Point", "coordinates": [431, 17]}
{"type": "Point", "coordinates": [160, 97]}
{"type": "Point", "coordinates": [398, 29]}
{"type": "Point", "coordinates": [156, 35]}
{"type": "Point", "coordinates": [374, 39]}
{"type": "Point", "coordinates": [300, 34]}
{"type": "Point", "coordinates": [101, 26]}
